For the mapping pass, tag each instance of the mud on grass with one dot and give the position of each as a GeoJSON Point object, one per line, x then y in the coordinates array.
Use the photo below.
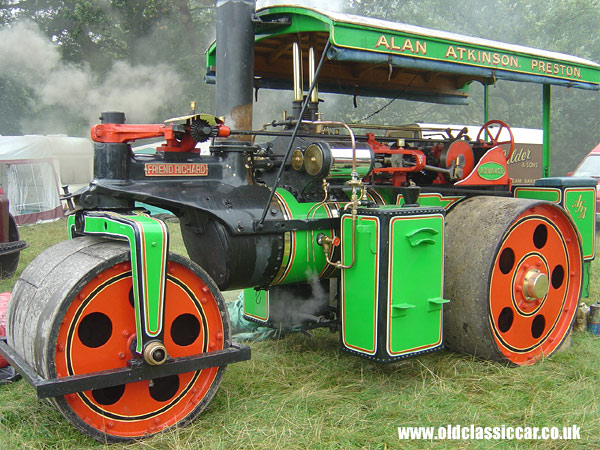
{"type": "Point", "coordinates": [301, 392]}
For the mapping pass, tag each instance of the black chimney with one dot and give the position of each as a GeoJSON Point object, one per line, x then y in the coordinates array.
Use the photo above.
{"type": "Point", "coordinates": [235, 62]}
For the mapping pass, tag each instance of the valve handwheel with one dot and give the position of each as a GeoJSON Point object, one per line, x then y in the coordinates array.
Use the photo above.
{"type": "Point", "coordinates": [495, 136]}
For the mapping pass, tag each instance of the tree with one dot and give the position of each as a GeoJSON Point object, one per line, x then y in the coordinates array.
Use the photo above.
{"type": "Point", "coordinates": [92, 35]}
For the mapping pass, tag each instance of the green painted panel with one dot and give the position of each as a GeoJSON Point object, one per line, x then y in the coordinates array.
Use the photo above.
{"type": "Point", "coordinates": [148, 239]}
{"type": "Point", "coordinates": [415, 289]}
{"type": "Point", "coordinates": [360, 284]}
{"type": "Point", "coordinates": [465, 53]}
{"type": "Point", "coordinates": [585, 288]}
{"type": "Point", "coordinates": [256, 304]}
{"type": "Point", "coordinates": [305, 23]}
{"type": "Point", "coordinates": [303, 256]}
{"type": "Point", "coordinates": [581, 204]}
{"type": "Point", "coordinates": [552, 195]}
{"type": "Point", "coordinates": [491, 171]}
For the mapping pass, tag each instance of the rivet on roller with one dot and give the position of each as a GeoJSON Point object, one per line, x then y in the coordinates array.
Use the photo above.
{"type": "Point", "coordinates": [60, 347]}
{"type": "Point", "coordinates": [121, 355]}
{"type": "Point", "coordinates": [551, 340]}
{"type": "Point", "coordinates": [219, 335]}
{"type": "Point", "coordinates": [205, 289]}
{"type": "Point", "coordinates": [203, 300]}
{"type": "Point", "coordinates": [212, 346]}
{"type": "Point", "coordinates": [110, 424]}
{"type": "Point", "coordinates": [126, 334]}
{"type": "Point", "coordinates": [157, 420]}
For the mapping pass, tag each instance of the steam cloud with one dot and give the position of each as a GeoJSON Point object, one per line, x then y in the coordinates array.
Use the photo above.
{"type": "Point", "coordinates": [138, 90]}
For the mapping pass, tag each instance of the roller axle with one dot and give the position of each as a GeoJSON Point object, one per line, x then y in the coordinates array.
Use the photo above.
{"type": "Point", "coordinates": [55, 387]}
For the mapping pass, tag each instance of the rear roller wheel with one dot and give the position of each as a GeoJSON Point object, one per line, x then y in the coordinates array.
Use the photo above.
{"type": "Point", "coordinates": [72, 313]}
{"type": "Point", "coordinates": [513, 274]}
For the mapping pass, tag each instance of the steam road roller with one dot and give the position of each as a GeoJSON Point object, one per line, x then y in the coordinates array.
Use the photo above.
{"type": "Point", "coordinates": [399, 240]}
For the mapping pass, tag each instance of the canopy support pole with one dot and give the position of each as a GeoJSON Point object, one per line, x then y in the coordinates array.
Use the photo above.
{"type": "Point", "coordinates": [486, 102]}
{"type": "Point", "coordinates": [546, 126]}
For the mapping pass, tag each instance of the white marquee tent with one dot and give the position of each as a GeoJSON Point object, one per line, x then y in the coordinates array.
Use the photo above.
{"type": "Point", "coordinates": [33, 169]}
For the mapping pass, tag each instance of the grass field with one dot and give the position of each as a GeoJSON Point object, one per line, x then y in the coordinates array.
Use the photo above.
{"type": "Point", "coordinates": [301, 392]}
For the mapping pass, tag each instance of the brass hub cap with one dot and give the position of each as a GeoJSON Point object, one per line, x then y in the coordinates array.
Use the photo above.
{"type": "Point", "coordinates": [535, 285]}
{"type": "Point", "coordinates": [155, 353]}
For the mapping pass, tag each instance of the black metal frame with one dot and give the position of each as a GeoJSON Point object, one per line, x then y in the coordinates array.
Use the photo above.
{"type": "Point", "coordinates": [78, 383]}
{"type": "Point", "coordinates": [278, 226]}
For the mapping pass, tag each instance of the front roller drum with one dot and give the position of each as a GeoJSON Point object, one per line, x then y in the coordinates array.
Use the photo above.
{"type": "Point", "coordinates": [72, 313]}
{"type": "Point", "coordinates": [513, 273]}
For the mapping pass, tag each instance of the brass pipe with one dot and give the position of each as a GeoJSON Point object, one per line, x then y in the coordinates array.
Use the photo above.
{"type": "Point", "coordinates": [355, 183]}
{"type": "Point", "coordinates": [339, 264]}
{"type": "Point", "coordinates": [298, 81]}
{"type": "Point", "coordinates": [314, 95]}
{"type": "Point", "coordinates": [314, 208]}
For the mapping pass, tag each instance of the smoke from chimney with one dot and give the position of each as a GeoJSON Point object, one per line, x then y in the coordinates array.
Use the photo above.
{"type": "Point", "coordinates": [31, 59]}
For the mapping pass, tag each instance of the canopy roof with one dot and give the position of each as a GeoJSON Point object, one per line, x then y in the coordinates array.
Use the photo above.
{"type": "Point", "coordinates": [373, 57]}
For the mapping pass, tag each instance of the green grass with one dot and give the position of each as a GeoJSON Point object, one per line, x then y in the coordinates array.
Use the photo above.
{"type": "Point", "coordinates": [301, 392]}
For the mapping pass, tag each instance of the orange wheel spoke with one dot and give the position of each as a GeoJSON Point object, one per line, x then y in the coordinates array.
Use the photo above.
{"type": "Point", "coordinates": [498, 135]}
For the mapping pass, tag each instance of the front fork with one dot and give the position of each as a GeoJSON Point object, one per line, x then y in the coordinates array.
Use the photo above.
{"type": "Point", "coordinates": [148, 240]}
